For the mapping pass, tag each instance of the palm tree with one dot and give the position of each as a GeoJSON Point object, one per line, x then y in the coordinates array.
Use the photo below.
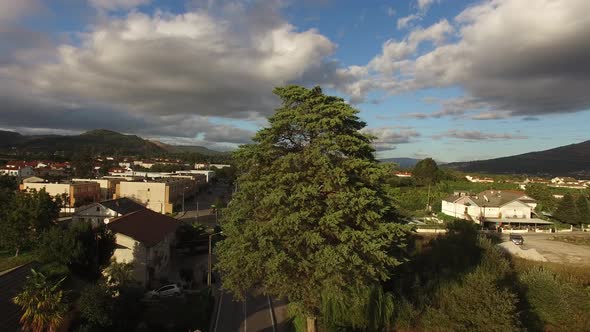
{"type": "Point", "coordinates": [43, 303]}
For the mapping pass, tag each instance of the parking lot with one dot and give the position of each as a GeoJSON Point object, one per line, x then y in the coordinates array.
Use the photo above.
{"type": "Point", "coordinates": [557, 251]}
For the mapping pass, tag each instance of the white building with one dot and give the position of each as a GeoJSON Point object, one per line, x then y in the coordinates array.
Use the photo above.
{"type": "Point", "coordinates": [18, 171]}
{"type": "Point", "coordinates": [478, 179]}
{"type": "Point", "coordinates": [490, 205]}
{"type": "Point", "coordinates": [104, 212]}
{"type": "Point", "coordinates": [209, 166]}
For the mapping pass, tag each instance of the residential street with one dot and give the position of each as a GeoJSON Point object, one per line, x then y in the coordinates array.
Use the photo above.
{"type": "Point", "coordinates": [257, 313]}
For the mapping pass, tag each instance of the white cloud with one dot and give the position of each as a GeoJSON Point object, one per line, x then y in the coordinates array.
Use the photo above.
{"type": "Point", "coordinates": [477, 135]}
{"type": "Point", "coordinates": [387, 138]}
{"type": "Point", "coordinates": [391, 11]}
{"type": "Point", "coordinates": [112, 5]}
{"type": "Point", "coordinates": [12, 10]}
{"type": "Point", "coordinates": [406, 21]}
{"type": "Point", "coordinates": [424, 5]}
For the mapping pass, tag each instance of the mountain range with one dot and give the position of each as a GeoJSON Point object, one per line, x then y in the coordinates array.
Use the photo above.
{"type": "Point", "coordinates": [568, 160]}
{"type": "Point", "coordinates": [99, 141]}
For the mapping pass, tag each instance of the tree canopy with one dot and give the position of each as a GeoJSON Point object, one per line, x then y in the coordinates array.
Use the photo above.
{"type": "Point", "coordinates": [426, 172]}
{"type": "Point", "coordinates": [311, 214]}
{"type": "Point", "coordinates": [567, 211]}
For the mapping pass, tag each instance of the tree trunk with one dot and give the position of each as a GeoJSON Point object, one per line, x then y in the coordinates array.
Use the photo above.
{"type": "Point", "coordinates": [311, 324]}
{"type": "Point", "coordinates": [16, 253]}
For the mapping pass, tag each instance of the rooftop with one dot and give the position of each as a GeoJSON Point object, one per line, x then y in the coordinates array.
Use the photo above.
{"type": "Point", "coordinates": [145, 226]}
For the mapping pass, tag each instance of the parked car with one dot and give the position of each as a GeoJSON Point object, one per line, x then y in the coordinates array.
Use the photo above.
{"type": "Point", "coordinates": [164, 291]}
{"type": "Point", "coordinates": [517, 239]}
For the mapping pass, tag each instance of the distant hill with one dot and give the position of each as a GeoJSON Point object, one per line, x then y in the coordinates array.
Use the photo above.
{"type": "Point", "coordinates": [188, 148]}
{"type": "Point", "coordinates": [99, 141]}
{"type": "Point", "coordinates": [573, 159]}
{"type": "Point", "coordinates": [402, 162]}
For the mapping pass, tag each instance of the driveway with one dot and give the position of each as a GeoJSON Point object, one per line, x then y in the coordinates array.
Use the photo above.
{"type": "Point", "coordinates": [557, 251]}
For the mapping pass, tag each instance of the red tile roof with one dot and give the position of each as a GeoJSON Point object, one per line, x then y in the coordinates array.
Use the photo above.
{"type": "Point", "coordinates": [145, 226]}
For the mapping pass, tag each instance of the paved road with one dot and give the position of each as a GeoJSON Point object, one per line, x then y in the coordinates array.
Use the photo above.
{"type": "Point", "coordinates": [258, 313]}
{"type": "Point", "coordinates": [205, 199]}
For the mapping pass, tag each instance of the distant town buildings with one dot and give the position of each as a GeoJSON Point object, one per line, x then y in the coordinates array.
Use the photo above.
{"type": "Point", "coordinates": [159, 195]}
{"type": "Point", "coordinates": [403, 174]}
{"type": "Point", "coordinates": [76, 193]}
{"type": "Point", "coordinates": [479, 179]}
{"type": "Point", "coordinates": [209, 166]}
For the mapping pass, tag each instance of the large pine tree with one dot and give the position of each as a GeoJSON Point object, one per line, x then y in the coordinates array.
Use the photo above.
{"type": "Point", "coordinates": [311, 214]}
{"type": "Point", "coordinates": [566, 211]}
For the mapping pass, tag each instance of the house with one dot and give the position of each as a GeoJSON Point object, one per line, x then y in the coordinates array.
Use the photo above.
{"type": "Point", "coordinates": [490, 205]}
{"type": "Point", "coordinates": [158, 195]}
{"type": "Point", "coordinates": [105, 211]}
{"type": "Point", "coordinates": [209, 166]}
{"type": "Point", "coordinates": [77, 193]}
{"type": "Point", "coordinates": [33, 179]}
{"type": "Point", "coordinates": [478, 179]}
{"type": "Point", "coordinates": [143, 239]}
{"type": "Point", "coordinates": [403, 174]}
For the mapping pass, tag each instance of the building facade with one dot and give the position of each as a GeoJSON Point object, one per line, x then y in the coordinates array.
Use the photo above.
{"type": "Point", "coordinates": [489, 204]}
{"type": "Point", "coordinates": [76, 193]}
{"type": "Point", "coordinates": [108, 186]}
{"type": "Point", "coordinates": [160, 196]}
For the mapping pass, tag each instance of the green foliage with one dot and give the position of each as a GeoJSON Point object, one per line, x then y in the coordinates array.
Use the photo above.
{"type": "Point", "coordinates": [544, 196]}
{"type": "Point", "coordinates": [8, 183]}
{"type": "Point", "coordinates": [566, 211]}
{"type": "Point", "coordinates": [168, 168]}
{"type": "Point", "coordinates": [426, 172]}
{"type": "Point", "coordinates": [366, 308]}
{"type": "Point", "coordinates": [96, 305]}
{"type": "Point", "coordinates": [560, 304]}
{"type": "Point", "coordinates": [119, 275]}
{"type": "Point", "coordinates": [24, 217]}
{"type": "Point", "coordinates": [83, 165]}
{"type": "Point", "coordinates": [190, 232]}
{"type": "Point", "coordinates": [583, 210]}
{"type": "Point", "coordinates": [83, 249]}
{"type": "Point", "coordinates": [312, 213]}
{"type": "Point", "coordinates": [42, 302]}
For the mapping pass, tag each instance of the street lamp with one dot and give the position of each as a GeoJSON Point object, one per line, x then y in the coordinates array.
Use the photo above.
{"type": "Point", "coordinates": [209, 273]}
{"type": "Point", "coordinates": [183, 190]}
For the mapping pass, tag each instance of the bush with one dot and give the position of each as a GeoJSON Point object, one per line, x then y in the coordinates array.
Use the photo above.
{"type": "Point", "coordinates": [479, 301]}
{"type": "Point", "coordinates": [96, 305]}
{"type": "Point", "coordinates": [558, 303]}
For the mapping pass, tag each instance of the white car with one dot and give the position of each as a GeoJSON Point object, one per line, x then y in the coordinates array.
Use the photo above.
{"type": "Point", "coordinates": [164, 291]}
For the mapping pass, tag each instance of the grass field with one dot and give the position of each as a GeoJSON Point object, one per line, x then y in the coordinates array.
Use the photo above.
{"type": "Point", "coordinates": [8, 261]}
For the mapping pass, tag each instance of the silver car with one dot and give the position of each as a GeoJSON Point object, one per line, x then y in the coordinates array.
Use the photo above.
{"type": "Point", "coordinates": [164, 291]}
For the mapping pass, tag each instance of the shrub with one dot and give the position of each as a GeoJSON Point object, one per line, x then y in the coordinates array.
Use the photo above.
{"type": "Point", "coordinates": [96, 305]}
{"type": "Point", "coordinates": [558, 303]}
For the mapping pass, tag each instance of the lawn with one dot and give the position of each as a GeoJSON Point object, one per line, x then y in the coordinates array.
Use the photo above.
{"type": "Point", "coordinates": [8, 261]}
{"type": "Point", "coordinates": [189, 312]}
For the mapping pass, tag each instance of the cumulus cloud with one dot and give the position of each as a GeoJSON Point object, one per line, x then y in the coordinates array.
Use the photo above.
{"type": "Point", "coordinates": [167, 74]}
{"type": "Point", "coordinates": [424, 5]}
{"type": "Point", "coordinates": [112, 5]}
{"type": "Point", "coordinates": [477, 135]}
{"type": "Point", "coordinates": [530, 64]}
{"type": "Point", "coordinates": [388, 137]}
{"type": "Point", "coordinates": [391, 11]}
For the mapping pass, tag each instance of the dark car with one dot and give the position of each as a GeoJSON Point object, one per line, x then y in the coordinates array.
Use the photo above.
{"type": "Point", "coordinates": [517, 239]}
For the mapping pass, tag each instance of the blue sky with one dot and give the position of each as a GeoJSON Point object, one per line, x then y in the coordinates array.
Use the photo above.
{"type": "Point", "coordinates": [454, 80]}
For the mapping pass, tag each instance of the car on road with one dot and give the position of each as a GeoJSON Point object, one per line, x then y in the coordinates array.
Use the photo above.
{"type": "Point", "coordinates": [165, 291]}
{"type": "Point", "coordinates": [517, 239]}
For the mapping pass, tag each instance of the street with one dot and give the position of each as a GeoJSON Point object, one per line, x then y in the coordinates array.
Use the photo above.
{"type": "Point", "coordinates": [256, 313]}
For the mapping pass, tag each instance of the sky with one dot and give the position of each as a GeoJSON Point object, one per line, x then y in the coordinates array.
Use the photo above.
{"type": "Point", "coordinates": [450, 79]}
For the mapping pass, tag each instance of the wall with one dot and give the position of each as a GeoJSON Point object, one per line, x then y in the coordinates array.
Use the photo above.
{"type": "Point", "coordinates": [519, 209]}
{"type": "Point", "coordinates": [152, 194]}
{"type": "Point", "coordinates": [130, 251]}
{"type": "Point", "coordinates": [94, 214]}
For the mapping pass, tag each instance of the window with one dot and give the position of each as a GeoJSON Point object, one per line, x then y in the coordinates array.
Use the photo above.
{"type": "Point", "coordinates": [97, 209]}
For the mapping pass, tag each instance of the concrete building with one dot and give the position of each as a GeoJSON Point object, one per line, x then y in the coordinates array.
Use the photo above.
{"type": "Point", "coordinates": [143, 239]}
{"type": "Point", "coordinates": [160, 196]}
{"type": "Point", "coordinates": [489, 205]}
{"type": "Point", "coordinates": [209, 166]}
{"type": "Point", "coordinates": [77, 193]}
{"type": "Point", "coordinates": [478, 179]}
{"type": "Point", "coordinates": [105, 211]}
{"type": "Point", "coordinates": [107, 186]}
{"type": "Point", "coordinates": [209, 175]}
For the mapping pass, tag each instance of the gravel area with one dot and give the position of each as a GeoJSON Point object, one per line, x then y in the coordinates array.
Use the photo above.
{"type": "Point", "coordinates": [530, 254]}
{"type": "Point", "coordinates": [553, 251]}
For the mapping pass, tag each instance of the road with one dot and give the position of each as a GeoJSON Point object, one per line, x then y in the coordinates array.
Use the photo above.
{"type": "Point", "coordinates": [257, 313]}
{"type": "Point", "coordinates": [557, 251]}
{"type": "Point", "coordinates": [204, 213]}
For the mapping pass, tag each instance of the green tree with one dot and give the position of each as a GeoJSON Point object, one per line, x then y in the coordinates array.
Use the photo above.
{"type": "Point", "coordinates": [567, 211]}
{"type": "Point", "coordinates": [540, 192]}
{"type": "Point", "coordinates": [311, 214]}
{"type": "Point", "coordinates": [426, 172]}
{"type": "Point", "coordinates": [119, 275]}
{"type": "Point", "coordinates": [25, 217]}
{"type": "Point", "coordinates": [83, 165]}
{"type": "Point", "coordinates": [42, 302]}
{"type": "Point", "coordinates": [96, 305]}
{"type": "Point", "coordinates": [583, 210]}
{"type": "Point", "coordinates": [83, 249]}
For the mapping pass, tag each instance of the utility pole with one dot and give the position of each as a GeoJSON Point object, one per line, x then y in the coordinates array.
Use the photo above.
{"type": "Point", "coordinates": [428, 201]}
